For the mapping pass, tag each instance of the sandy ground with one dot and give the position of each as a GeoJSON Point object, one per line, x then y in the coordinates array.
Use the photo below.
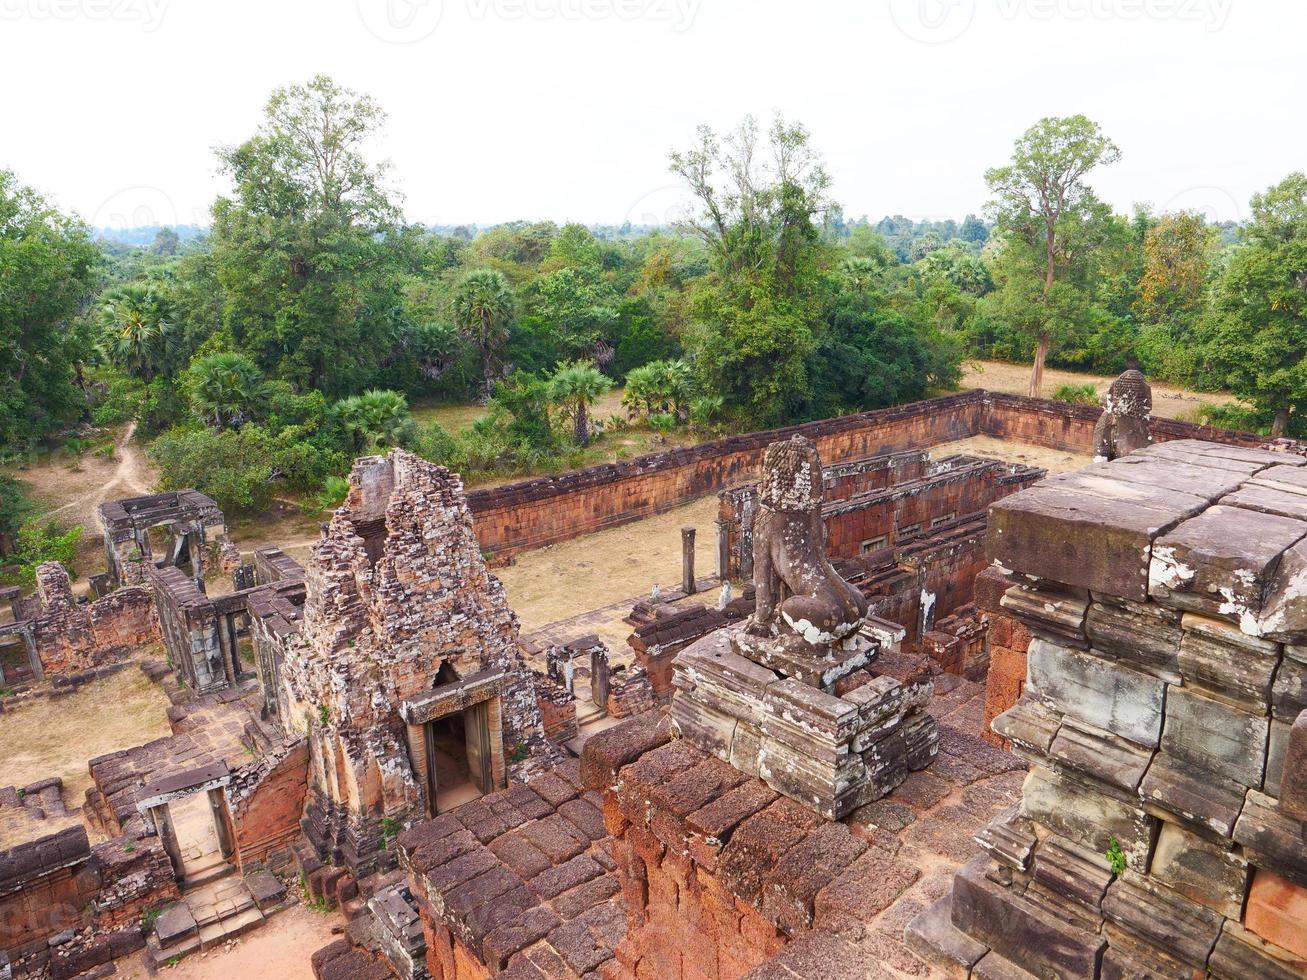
{"type": "Point", "coordinates": [279, 949]}
{"type": "Point", "coordinates": [43, 737]}
{"type": "Point", "coordinates": [1168, 400]}
{"type": "Point", "coordinates": [576, 576]}
{"type": "Point", "coordinates": [1053, 460]}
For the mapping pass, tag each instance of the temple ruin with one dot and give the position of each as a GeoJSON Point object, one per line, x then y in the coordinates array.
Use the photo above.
{"type": "Point", "coordinates": [926, 714]}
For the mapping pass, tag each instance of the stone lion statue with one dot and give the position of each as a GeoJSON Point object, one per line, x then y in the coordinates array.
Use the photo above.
{"type": "Point", "coordinates": [1126, 422]}
{"type": "Point", "coordinates": [796, 586]}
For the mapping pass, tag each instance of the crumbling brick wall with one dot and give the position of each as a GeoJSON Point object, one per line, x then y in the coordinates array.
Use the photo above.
{"type": "Point", "coordinates": [397, 590]}
{"type": "Point", "coordinates": [267, 801]}
{"type": "Point", "coordinates": [520, 516]}
{"type": "Point", "coordinates": [1006, 641]}
{"type": "Point", "coordinates": [72, 636]}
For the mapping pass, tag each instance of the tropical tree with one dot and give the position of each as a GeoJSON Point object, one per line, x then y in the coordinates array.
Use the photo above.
{"type": "Point", "coordinates": [47, 270]}
{"type": "Point", "coordinates": [752, 325]}
{"type": "Point", "coordinates": [224, 388]}
{"type": "Point", "coordinates": [375, 419]}
{"type": "Point", "coordinates": [1041, 200]}
{"type": "Point", "coordinates": [1257, 331]}
{"type": "Point", "coordinates": [576, 386]}
{"type": "Point", "coordinates": [135, 329]}
{"type": "Point", "coordinates": [483, 311]}
{"type": "Point", "coordinates": [307, 252]}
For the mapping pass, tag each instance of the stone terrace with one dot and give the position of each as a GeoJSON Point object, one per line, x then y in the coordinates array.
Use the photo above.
{"type": "Point", "coordinates": [721, 876]}
{"type": "Point", "coordinates": [522, 878]}
{"type": "Point", "coordinates": [527, 881]}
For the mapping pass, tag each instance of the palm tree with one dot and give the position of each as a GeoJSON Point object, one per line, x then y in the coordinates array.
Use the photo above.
{"type": "Point", "coordinates": [375, 418]}
{"type": "Point", "coordinates": [135, 329]}
{"type": "Point", "coordinates": [642, 388]}
{"type": "Point", "coordinates": [483, 313]}
{"type": "Point", "coordinates": [575, 386]}
{"type": "Point", "coordinates": [223, 388]}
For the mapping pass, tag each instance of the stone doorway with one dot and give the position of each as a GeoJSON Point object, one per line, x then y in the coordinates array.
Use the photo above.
{"type": "Point", "coordinates": [455, 740]}
{"type": "Point", "coordinates": [459, 766]}
{"type": "Point", "coordinates": [199, 834]}
{"type": "Point", "coordinates": [189, 813]}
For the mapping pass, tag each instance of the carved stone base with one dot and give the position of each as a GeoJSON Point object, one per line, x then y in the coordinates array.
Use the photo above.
{"type": "Point", "coordinates": [790, 656]}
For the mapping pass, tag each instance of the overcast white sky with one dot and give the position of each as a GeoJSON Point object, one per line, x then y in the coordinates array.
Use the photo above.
{"type": "Point", "coordinates": [566, 109]}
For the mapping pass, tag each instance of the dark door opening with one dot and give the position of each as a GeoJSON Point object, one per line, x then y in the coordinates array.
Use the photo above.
{"type": "Point", "coordinates": [457, 759]}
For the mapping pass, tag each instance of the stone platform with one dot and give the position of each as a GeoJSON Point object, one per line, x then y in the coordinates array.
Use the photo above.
{"type": "Point", "coordinates": [832, 734]}
{"type": "Point", "coordinates": [1164, 714]}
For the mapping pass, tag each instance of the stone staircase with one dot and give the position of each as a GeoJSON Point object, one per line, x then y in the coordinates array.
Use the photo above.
{"type": "Point", "coordinates": [213, 913]}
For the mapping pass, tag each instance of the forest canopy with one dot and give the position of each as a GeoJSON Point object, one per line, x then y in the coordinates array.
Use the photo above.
{"type": "Point", "coordinates": [293, 333]}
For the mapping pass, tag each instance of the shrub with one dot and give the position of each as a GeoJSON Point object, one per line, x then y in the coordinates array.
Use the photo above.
{"type": "Point", "coordinates": [37, 542]}
{"type": "Point", "coordinates": [1085, 394]}
{"type": "Point", "coordinates": [1237, 418]}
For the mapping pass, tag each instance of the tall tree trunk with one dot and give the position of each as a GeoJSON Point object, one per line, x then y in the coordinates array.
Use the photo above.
{"type": "Point", "coordinates": [1037, 372]}
{"type": "Point", "coordinates": [582, 429]}
{"type": "Point", "coordinates": [1041, 348]}
{"type": "Point", "coordinates": [1281, 423]}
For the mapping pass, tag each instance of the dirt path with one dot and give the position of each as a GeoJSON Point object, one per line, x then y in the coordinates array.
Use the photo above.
{"type": "Point", "coordinates": [1014, 379]}
{"type": "Point", "coordinates": [130, 477]}
{"type": "Point", "coordinates": [279, 949]}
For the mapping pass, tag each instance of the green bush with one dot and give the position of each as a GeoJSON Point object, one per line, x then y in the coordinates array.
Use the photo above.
{"type": "Point", "coordinates": [1237, 418]}
{"type": "Point", "coordinates": [1085, 394]}
{"type": "Point", "coordinates": [37, 542]}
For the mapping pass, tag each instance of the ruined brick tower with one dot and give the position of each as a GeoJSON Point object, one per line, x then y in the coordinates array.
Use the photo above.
{"type": "Point", "coordinates": [408, 647]}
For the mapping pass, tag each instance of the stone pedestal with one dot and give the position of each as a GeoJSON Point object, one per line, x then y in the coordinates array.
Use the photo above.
{"type": "Point", "coordinates": [780, 720]}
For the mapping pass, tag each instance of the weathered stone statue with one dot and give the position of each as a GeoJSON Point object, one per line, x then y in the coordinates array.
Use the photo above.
{"type": "Point", "coordinates": [798, 592]}
{"type": "Point", "coordinates": [1125, 424]}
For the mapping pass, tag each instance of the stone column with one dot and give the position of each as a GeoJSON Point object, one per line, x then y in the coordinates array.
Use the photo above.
{"type": "Point", "coordinates": [687, 560]}
{"type": "Point", "coordinates": [723, 549]}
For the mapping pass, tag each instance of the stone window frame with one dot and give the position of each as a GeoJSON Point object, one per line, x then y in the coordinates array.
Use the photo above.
{"type": "Point", "coordinates": [873, 544]}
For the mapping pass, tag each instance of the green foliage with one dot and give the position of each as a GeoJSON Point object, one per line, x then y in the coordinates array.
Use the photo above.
{"type": "Point", "coordinates": [1236, 418]}
{"type": "Point", "coordinates": [40, 540]}
{"type": "Point", "coordinates": [47, 267]}
{"type": "Point", "coordinates": [16, 505]}
{"type": "Point", "coordinates": [324, 715]}
{"type": "Point", "coordinates": [1085, 394]}
{"type": "Point", "coordinates": [224, 388]}
{"type": "Point", "coordinates": [483, 309]}
{"type": "Point", "coordinates": [1116, 857]}
{"type": "Point", "coordinates": [872, 355]}
{"type": "Point", "coordinates": [704, 409]}
{"type": "Point", "coordinates": [575, 386]}
{"type": "Point", "coordinates": [374, 420]}
{"type": "Point", "coordinates": [239, 468]}
{"type": "Point", "coordinates": [136, 328]}
{"type": "Point", "coordinates": [1256, 331]}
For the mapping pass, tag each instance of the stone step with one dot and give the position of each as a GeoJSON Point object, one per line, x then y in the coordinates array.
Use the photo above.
{"type": "Point", "coordinates": [230, 927]}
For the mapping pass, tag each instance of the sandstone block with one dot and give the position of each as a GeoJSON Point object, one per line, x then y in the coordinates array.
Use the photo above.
{"type": "Point", "coordinates": [1214, 736]}
{"type": "Point", "coordinates": [1144, 635]}
{"type": "Point", "coordinates": [1277, 912]}
{"type": "Point", "coordinates": [1021, 931]}
{"type": "Point", "coordinates": [933, 937]}
{"type": "Point", "coordinates": [1272, 837]}
{"type": "Point", "coordinates": [1284, 613]}
{"type": "Point", "coordinates": [1221, 660]}
{"type": "Point", "coordinates": [1166, 919]}
{"type": "Point", "coordinates": [1293, 777]}
{"type": "Point", "coordinates": [1239, 953]}
{"type": "Point", "coordinates": [1200, 870]}
{"type": "Point", "coordinates": [1104, 528]}
{"type": "Point", "coordinates": [1176, 790]}
{"type": "Point", "coordinates": [1222, 561]}
{"type": "Point", "coordinates": [1085, 817]}
{"type": "Point", "coordinates": [1102, 692]}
